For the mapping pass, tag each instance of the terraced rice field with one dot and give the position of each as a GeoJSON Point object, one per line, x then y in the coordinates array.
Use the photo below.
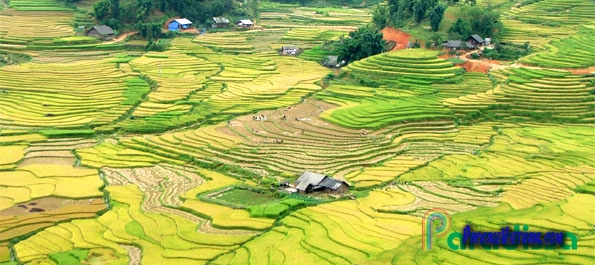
{"type": "Point", "coordinates": [273, 14]}
{"type": "Point", "coordinates": [536, 94]}
{"type": "Point", "coordinates": [308, 37]}
{"type": "Point", "coordinates": [110, 156]}
{"type": "Point", "coordinates": [91, 93]}
{"type": "Point", "coordinates": [16, 29]}
{"type": "Point", "coordinates": [37, 5]}
{"type": "Point", "coordinates": [407, 66]}
{"type": "Point", "coordinates": [564, 19]}
{"type": "Point", "coordinates": [572, 52]}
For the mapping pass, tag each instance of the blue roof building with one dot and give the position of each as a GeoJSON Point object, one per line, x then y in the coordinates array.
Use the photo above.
{"type": "Point", "coordinates": [179, 24]}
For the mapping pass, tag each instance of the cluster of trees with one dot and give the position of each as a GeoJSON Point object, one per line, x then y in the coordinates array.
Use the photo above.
{"type": "Point", "coordinates": [150, 15]}
{"type": "Point", "coordinates": [476, 20]}
{"type": "Point", "coordinates": [473, 19]}
{"type": "Point", "coordinates": [361, 43]}
{"type": "Point", "coordinates": [510, 51]}
{"type": "Point", "coordinates": [397, 12]}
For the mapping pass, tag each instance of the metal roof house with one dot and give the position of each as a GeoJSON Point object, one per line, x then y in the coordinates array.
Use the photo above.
{"type": "Point", "coordinates": [102, 32]}
{"type": "Point", "coordinates": [476, 40]}
{"type": "Point", "coordinates": [179, 24]}
{"type": "Point", "coordinates": [220, 22]}
{"type": "Point", "coordinates": [245, 23]}
{"type": "Point", "coordinates": [457, 44]}
{"type": "Point", "coordinates": [310, 181]}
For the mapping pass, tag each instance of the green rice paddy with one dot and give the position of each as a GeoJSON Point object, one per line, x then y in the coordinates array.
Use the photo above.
{"type": "Point", "coordinates": [169, 163]}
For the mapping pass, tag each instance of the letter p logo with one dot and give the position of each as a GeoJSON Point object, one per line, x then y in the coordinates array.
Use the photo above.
{"type": "Point", "coordinates": [427, 226]}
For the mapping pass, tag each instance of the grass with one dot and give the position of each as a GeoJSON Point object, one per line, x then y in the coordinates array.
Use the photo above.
{"type": "Point", "coordinates": [245, 197]}
{"type": "Point", "coordinates": [72, 257]}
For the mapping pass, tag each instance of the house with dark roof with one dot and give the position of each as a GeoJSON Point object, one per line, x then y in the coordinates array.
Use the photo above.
{"type": "Point", "coordinates": [179, 24]}
{"type": "Point", "coordinates": [458, 45]}
{"type": "Point", "coordinates": [220, 22]}
{"type": "Point", "coordinates": [101, 32]}
{"type": "Point", "coordinates": [311, 182]}
{"type": "Point", "coordinates": [476, 40]}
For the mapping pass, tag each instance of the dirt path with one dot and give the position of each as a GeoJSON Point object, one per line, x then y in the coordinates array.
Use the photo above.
{"type": "Point", "coordinates": [134, 253]}
{"type": "Point", "coordinates": [483, 66]}
{"type": "Point", "coordinates": [120, 38]}
{"type": "Point", "coordinates": [400, 37]}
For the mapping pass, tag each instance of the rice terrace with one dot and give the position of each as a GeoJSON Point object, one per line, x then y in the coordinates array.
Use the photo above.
{"type": "Point", "coordinates": [295, 131]}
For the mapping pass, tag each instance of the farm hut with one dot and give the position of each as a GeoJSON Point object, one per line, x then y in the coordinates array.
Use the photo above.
{"type": "Point", "coordinates": [289, 50]}
{"type": "Point", "coordinates": [101, 32]}
{"type": "Point", "coordinates": [335, 186]}
{"type": "Point", "coordinates": [476, 40]}
{"type": "Point", "coordinates": [310, 181]}
{"type": "Point", "coordinates": [179, 24]}
{"type": "Point", "coordinates": [247, 23]}
{"type": "Point", "coordinates": [307, 181]}
{"type": "Point", "coordinates": [487, 41]}
{"type": "Point", "coordinates": [220, 22]}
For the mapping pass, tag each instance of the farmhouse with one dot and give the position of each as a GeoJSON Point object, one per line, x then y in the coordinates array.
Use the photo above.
{"type": "Point", "coordinates": [247, 23]}
{"type": "Point", "coordinates": [289, 50]}
{"type": "Point", "coordinates": [101, 32]}
{"type": "Point", "coordinates": [179, 24]}
{"type": "Point", "coordinates": [457, 44]}
{"type": "Point", "coordinates": [476, 40]}
{"type": "Point", "coordinates": [220, 22]}
{"type": "Point", "coordinates": [310, 182]}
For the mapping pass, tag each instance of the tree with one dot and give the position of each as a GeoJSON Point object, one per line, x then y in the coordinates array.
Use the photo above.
{"type": "Point", "coordinates": [362, 43]}
{"type": "Point", "coordinates": [401, 10]}
{"type": "Point", "coordinates": [101, 8]}
{"type": "Point", "coordinates": [419, 11]}
{"type": "Point", "coordinates": [381, 16]}
{"type": "Point", "coordinates": [115, 8]}
{"type": "Point", "coordinates": [484, 22]}
{"type": "Point", "coordinates": [436, 15]}
{"type": "Point", "coordinates": [253, 4]}
{"type": "Point", "coordinates": [462, 28]}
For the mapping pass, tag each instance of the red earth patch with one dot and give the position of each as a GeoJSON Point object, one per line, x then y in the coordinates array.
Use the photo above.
{"type": "Point", "coordinates": [398, 36]}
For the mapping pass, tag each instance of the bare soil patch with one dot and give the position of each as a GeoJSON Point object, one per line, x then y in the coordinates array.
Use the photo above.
{"type": "Point", "coordinates": [400, 37]}
{"type": "Point", "coordinates": [134, 253]}
{"type": "Point", "coordinates": [583, 70]}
